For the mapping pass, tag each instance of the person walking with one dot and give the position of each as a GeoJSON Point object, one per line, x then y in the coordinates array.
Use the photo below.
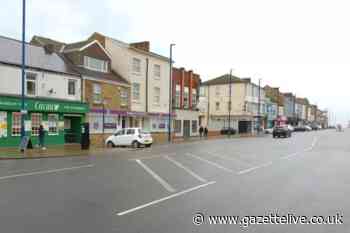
{"type": "Point", "coordinates": [201, 131]}
{"type": "Point", "coordinates": [206, 132]}
{"type": "Point", "coordinates": [42, 137]}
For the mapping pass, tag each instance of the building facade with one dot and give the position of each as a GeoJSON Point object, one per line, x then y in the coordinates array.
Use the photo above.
{"type": "Point", "coordinates": [52, 91]}
{"type": "Point", "coordinates": [185, 99]}
{"type": "Point", "coordinates": [289, 108]}
{"type": "Point", "coordinates": [148, 75]}
{"type": "Point", "coordinates": [106, 92]}
{"type": "Point", "coordinates": [240, 112]}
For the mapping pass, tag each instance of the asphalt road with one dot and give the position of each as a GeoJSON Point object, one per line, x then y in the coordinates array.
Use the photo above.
{"type": "Point", "coordinates": [162, 188]}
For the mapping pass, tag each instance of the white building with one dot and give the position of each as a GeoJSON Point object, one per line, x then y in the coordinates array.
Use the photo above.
{"type": "Point", "coordinates": [148, 74]}
{"type": "Point", "coordinates": [215, 100]}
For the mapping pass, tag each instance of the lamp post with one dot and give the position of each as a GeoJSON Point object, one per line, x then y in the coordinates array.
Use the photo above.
{"type": "Point", "coordinates": [103, 121]}
{"type": "Point", "coordinates": [229, 104]}
{"type": "Point", "coordinates": [259, 104]}
{"type": "Point", "coordinates": [23, 111]}
{"type": "Point", "coordinates": [170, 91]}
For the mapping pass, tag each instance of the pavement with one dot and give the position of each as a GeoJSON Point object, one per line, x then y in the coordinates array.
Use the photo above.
{"type": "Point", "coordinates": [172, 188]}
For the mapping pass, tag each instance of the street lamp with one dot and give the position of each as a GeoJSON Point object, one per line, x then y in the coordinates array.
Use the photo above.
{"type": "Point", "coordinates": [23, 111]}
{"type": "Point", "coordinates": [259, 105]}
{"type": "Point", "coordinates": [170, 91]}
{"type": "Point", "coordinates": [103, 121]}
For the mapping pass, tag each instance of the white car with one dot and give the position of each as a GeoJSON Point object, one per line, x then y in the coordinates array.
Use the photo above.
{"type": "Point", "coordinates": [308, 128]}
{"type": "Point", "coordinates": [134, 137]}
{"type": "Point", "coordinates": [291, 128]}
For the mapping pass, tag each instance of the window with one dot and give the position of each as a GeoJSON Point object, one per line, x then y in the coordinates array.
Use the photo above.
{"type": "Point", "coordinates": [97, 93]}
{"type": "Point", "coordinates": [71, 87]}
{"type": "Point", "coordinates": [194, 98]}
{"type": "Point", "coordinates": [31, 83]}
{"type": "Point", "coordinates": [16, 124]}
{"type": "Point", "coordinates": [52, 123]}
{"type": "Point", "coordinates": [120, 132]}
{"type": "Point", "coordinates": [96, 64]}
{"type": "Point", "coordinates": [177, 126]}
{"type": "Point", "coordinates": [156, 71]}
{"type": "Point", "coordinates": [136, 91]}
{"type": "Point", "coordinates": [130, 132]}
{"type": "Point", "coordinates": [136, 65]}
{"type": "Point", "coordinates": [124, 97]}
{"type": "Point", "coordinates": [3, 124]}
{"type": "Point", "coordinates": [194, 127]}
{"type": "Point", "coordinates": [186, 97]}
{"type": "Point", "coordinates": [177, 96]}
{"type": "Point", "coordinates": [156, 95]}
{"type": "Point", "coordinates": [217, 106]}
{"type": "Point", "coordinates": [36, 122]}
{"type": "Point", "coordinates": [217, 90]}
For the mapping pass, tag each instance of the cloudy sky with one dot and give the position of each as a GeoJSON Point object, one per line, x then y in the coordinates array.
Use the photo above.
{"type": "Point", "coordinates": [301, 46]}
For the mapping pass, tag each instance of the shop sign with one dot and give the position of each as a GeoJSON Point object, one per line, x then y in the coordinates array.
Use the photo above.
{"type": "Point", "coordinates": [13, 103]}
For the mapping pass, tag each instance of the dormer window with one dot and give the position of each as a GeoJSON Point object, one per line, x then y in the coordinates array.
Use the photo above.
{"type": "Point", "coordinates": [95, 64]}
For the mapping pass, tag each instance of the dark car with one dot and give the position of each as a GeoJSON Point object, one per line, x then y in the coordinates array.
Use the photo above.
{"type": "Point", "coordinates": [228, 131]}
{"type": "Point", "coordinates": [300, 129]}
{"type": "Point", "coordinates": [281, 131]}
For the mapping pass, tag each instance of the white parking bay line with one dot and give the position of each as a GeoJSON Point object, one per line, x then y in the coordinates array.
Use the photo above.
{"type": "Point", "coordinates": [228, 158]}
{"type": "Point", "coordinates": [165, 184]}
{"type": "Point", "coordinates": [186, 169]}
{"type": "Point", "coordinates": [45, 172]}
{"type": "Point", "coordinates": [254, 168]}
{"type": "Point", "coordinates": [210, 162]}
{"type": "Point", "coordinates": [165, 198]}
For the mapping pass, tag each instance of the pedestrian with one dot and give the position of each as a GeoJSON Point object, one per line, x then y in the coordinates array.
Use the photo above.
{"type": "Point", "coordinates": [42, 137]}
{"type": "Point", "coordinates": [205, 131]}
{"type": "Point", "coordinates": [201, 131]}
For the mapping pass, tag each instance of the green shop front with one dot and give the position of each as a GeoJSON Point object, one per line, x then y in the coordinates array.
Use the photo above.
{"type": "Point", "coordinates": [61, 120]}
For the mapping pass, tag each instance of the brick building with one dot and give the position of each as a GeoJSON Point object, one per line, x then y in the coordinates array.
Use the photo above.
{"type": "Point", "coordinates": [185, 98]}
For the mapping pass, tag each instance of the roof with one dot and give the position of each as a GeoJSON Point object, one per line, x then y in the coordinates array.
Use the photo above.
{"type": "Point", "coordinates": [76, 45]}
{"type": "Point", "coordinates": [44, 41]}
{"type": "Point", "coordinates": [36, 57]}
{"type": "Point", "coordinates": [303, 101]}
{"type": "Point", "coordinates": [111, 76]}
{"type": "Point", "coordinates": [224, 79]}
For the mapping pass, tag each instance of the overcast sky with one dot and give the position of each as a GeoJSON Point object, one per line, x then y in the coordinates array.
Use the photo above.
{"type": "Point", "coordinates": [301, 46]}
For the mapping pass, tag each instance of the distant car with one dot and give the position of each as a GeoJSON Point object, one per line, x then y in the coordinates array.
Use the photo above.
{"type": "Point", "coordinates": [308, 128]}
{"type": "Point", "coordinates": [282, 131]}
{"type": "Point", "coordinates": [300, 129]}
{"type": "Point", "coordinates": [268, 131]}
{"type": "Point", "coordinates": [228, 131]}
{"type": "Point", "coordinates": [291, 128]}
{"type": "Point", "coordinates": [134, 137]}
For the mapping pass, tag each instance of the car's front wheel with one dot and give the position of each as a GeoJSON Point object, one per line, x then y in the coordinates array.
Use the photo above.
{"type": "Point", "coordinates": [135, 144]}
{"type": "Point", "coordinates": [110, 144]}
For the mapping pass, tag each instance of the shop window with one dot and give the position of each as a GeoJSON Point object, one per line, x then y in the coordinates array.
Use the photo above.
{"type": "Point", "coordinates": [16, 124]}
{"type": "Point", "coordinates": [177, 126]}
{"type": "Point", "coordinates": [71, 87]}
{"type": "Point", "coordinates": [31, 84]}
{"type": "Point", "coordinates": [3, 124]}
{"type": "Point", "coordinates": [194, 126]}
{"type": "Point", "coordinates": [97, 93]}
{"type": "Point", "coordinates": [36, 122]}
{"type": "Point", "coordinates": [53, 123]}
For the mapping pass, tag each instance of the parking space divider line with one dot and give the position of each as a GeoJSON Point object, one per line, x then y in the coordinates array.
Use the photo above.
{"type": "Point", "coordinates": [165, 198]}
{"type": "Point", "coordinates": [186, 169]}
{"type": "Point", "coordinates": [228, 158]}
{"type": "Point", "coordinates": [210, 162]}
{"type": "Point", "coordinates": [45, 172]}
{"type": "Point", "coordinates": [165, 184]}
{"type": "Point", "coordinates": [254, 168]}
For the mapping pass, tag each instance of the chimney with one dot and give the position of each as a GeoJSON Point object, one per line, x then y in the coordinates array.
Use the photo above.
{"type": "Point", "coordinates": [144, 45]}
{"type": "Point", "coordinates": [49, 48]}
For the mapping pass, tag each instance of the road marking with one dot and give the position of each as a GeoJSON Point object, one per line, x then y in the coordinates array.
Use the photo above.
{"type": "Point", "coordinates": [165, 184]}
{"type": "Point", "coordinates": [211, 163]}
{"type": "Point", "coordinates": [152, 156]}
{"type": "Point", "coordinates": [254, 168]}
{"type": "Point", "coordinates": [186, 169]}
{"type": "Point", "coordinates": [228, 158]}
{"type": "Point", "coordinates": [45, 172]}
{"type": "Point", "coordinates": [165, 198]}
{"type": "Point", "coordinates": [290, 155]}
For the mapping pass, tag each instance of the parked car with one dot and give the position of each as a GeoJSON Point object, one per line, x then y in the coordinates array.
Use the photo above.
{"type": "Point", "coordinates": [282, 131]}
{"type": "Point", "coordinates": [308, 128]}
{"type": "Point", "coordinates": [134, 137]}
{"type": "Point", "coordinates": [268, 131]}
{"type": "Point", "coordinates": [227, 131]}
{"type": "Point", "coordinates": [291, 128]}
{"type": "Point", "coordinates": [300, 129]}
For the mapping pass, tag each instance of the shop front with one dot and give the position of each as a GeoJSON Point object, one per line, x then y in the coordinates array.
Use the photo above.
{"type": "Point", "coordinates": [61, 120]}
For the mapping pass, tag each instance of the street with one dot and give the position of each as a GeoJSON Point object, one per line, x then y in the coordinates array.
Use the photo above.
{"type": "Point", "coordinates": [161, 189]}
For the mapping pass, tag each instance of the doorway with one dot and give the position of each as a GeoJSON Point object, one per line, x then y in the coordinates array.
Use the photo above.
{"type": "Point", "coordinates": [72, 129]}
{"type": "Point", "coordinates": [187, 128]}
